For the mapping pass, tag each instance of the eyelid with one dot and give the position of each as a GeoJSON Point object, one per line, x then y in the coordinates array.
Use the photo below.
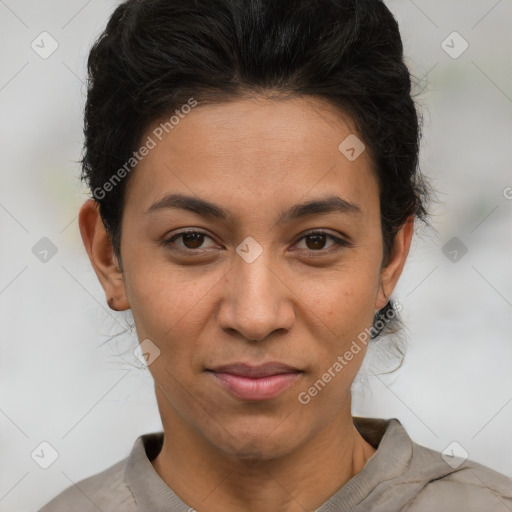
{"type": "Point", "coordinates": [189, 230]}
{"type": "Point", "coordinates": [169, 240]}
{"type": "Point", "coordinates": [340, 241]}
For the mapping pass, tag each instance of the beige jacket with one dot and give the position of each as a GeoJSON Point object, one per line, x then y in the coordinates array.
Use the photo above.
{"type": "Point", "coordinates": [400, 476]}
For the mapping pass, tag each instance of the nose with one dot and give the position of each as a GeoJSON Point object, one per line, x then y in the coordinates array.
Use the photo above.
{"type": "Point", "coordinates": [257, 300]}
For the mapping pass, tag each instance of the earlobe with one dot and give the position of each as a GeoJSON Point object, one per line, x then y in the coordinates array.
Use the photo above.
{"type": "Point", "coordinates": [98, 245]}
{"type": "Point", "coordinates": [393, 270]}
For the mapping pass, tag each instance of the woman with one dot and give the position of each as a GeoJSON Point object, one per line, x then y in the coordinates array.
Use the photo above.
{"type": "Point", "coordinates": [254, 172]}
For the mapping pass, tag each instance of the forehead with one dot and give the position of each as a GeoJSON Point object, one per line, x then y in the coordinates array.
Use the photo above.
{"type": "Point", "coordinates": [254, 149]}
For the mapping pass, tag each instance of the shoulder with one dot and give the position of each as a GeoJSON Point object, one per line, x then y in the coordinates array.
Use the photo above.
{"type": "Point", "coordinates": [106, 491]}
{"type": "Point", "coordinates": [406, 476]}
{"type": "Point", "coordinates": [470, 486]}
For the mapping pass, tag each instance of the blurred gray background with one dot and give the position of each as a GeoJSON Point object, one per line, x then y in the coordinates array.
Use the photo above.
{"type": "Point", "coordinates": [63, 383]}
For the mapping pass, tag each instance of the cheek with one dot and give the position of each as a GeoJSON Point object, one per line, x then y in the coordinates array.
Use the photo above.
{"type": "Point", "coordinates": [345, 298]}
{"type": "Point", "coordinates": [168, 303]}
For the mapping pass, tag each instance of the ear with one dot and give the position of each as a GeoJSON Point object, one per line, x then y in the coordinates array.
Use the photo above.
{"type": "Point", "coordinates": [392, 271]}
{"type": "Point", "coordinates": [99, 247]}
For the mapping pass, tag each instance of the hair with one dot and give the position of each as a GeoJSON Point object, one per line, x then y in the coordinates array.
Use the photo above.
{"type": "Point", "coordinates": [154, 55]}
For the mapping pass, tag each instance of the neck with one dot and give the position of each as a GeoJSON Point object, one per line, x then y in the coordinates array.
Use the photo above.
{"type": "Point", "coordinates": [208, 479]}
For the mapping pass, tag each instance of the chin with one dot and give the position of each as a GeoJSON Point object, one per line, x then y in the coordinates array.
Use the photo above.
{"type": "Point", "coordinates": [257, 445]}
{"type": "Point", "coordinates": [259, 451]}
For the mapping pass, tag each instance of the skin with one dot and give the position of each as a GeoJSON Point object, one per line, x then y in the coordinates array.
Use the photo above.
{"type": "Point", "coordinates": [301, 302]}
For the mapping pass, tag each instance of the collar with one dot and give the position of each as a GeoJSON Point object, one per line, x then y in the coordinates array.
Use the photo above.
{"type": "Point", "coordinates": [151, 493]}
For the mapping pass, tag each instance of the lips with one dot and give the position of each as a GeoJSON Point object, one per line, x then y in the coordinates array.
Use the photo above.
{"type": "Point", "coordinates": [264, 370]}
{"type": "Point", "coordinates": [255, 383]}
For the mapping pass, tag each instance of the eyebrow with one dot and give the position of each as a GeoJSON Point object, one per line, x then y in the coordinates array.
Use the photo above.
{"type": "Point", "coordinates": [329, 204]}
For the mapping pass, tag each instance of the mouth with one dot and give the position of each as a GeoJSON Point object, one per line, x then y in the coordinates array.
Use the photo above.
{"type": "Point", "coordinates": [255, 383]}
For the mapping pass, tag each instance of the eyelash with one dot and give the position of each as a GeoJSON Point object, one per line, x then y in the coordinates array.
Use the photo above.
{"type": "Point", "coordinates": [339, 242]}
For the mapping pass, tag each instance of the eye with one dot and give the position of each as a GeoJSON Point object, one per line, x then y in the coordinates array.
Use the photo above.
{"type": "Point", "coordinates": [188, 241]}
{"type": "Point", "coordinates": [315, 241]}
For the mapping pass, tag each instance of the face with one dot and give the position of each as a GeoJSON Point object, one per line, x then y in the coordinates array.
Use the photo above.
{"type": "Point", "coordinates": [249, 238]}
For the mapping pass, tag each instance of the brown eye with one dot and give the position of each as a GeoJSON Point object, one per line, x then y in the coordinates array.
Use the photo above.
{"type": "Point", "coordinates": [316, 241]}
{"type": "Point", "coordinates": [188, 241]}
{"type": "Point", "coordinates": [193, 240]}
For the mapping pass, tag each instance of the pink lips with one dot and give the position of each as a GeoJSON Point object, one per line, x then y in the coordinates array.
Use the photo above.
{"type": "Point", "coordinates": [256, 382]}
